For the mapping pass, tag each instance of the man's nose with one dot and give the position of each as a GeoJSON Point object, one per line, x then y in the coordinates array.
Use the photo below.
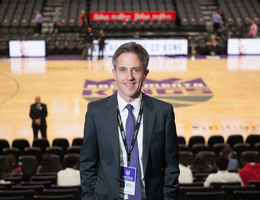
{"type": "Point", "coordinates": [130, 75]}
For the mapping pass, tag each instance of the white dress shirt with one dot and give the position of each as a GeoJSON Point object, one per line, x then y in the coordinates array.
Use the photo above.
{"type": "Point", "coordinates": [123, 154]}
{"type": "Point", "coordinates": [68, 177]}
{"type": "Point", "coordinates": [222, 176]}
{"type": "Point", "coordinates": [185, 175]}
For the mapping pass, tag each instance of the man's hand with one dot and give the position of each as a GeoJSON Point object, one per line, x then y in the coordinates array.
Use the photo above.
{"type": "Point", "coordinates": [37, 121]}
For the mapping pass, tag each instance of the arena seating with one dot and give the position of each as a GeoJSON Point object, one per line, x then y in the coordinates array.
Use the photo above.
{"type": "Point", "coordinates": [246, 10]}
{"type": "Point", "coordinates": [190, 15]}
{"type": "Point", "coordinates": [43, 185]}
{"type": "Point", "coordinates": [17, 15]}
{"type": "Point", "coordinates": [16, 22]}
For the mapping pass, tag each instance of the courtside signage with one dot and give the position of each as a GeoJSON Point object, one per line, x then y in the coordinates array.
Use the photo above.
{"type": "Point", "coordinates": [27, 48]}
{"type": "Point", "coordinates": [154, 47]}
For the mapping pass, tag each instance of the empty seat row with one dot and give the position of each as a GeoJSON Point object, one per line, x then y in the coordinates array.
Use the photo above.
{"type": "Point", "coordinates": [251, 139]}
{"type": "Point", "coordinates": [43, 144]}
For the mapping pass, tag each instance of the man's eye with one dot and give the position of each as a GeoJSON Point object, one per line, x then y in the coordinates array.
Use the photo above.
{"type": "Point", "coordinates": [136, 70]}
{"type": "Point", "coordinates": [122, 70]}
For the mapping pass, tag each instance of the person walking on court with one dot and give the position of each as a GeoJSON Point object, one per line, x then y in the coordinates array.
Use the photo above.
{"type": "Point", "coordinates": [38, 114]}
{"type": "Point", "coordinates": [101, 44]}
{"type": "Point", "coordinates": [130, 148]}
{"type": "Point", "coordinates": [88, 44]}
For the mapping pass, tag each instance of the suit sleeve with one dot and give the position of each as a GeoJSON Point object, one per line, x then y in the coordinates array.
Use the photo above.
{"type": "Point", "coordinates": [89, 157]}
{"type": "Point", "coordinates": [171, 158]}
{"type": "Point", "coordinates": [32, 115]}
{"type": "Point", "coordinates": [44, 112]}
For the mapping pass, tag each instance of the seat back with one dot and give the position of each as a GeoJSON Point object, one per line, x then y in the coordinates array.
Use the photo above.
{"type": "Point", "coordinates": [234, 139]}
{"type": "Point", "coordinates": [42, 143]}
{"type": "Point", "coordinates": [29, 163]}
{"type": "Point", "coordinates": [218, 195]}
{"type": "Point", "coordinates": [196, 140]}
{"type": "Point", "coordinates": [20, 144]}
{"type": "Point", "coordinates": [61, 142]}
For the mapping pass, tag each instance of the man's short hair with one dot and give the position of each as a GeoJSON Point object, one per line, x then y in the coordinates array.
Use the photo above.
{"type": "Point", "coordinates": [135, 48]}
{"type": "Point", "coordinates": [222, 162]}
{"type": "Point", "coordinates": [226, 151]}
{"type": "Point", "coordinates": [248, 158]}
{"type": "Point", "coordinates": [70, 161]}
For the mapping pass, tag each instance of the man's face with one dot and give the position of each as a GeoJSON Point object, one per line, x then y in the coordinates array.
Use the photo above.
{"type": "Point", "coordinates": [37, 99]}
{"type": "Point", "coordinates": [129, 75]}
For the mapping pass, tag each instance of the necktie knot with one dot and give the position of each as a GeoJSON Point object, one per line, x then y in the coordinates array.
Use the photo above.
{"type": "Point", "coordinates": [129, 107]}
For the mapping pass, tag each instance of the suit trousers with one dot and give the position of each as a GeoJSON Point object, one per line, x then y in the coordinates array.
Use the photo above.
{"type": "Point", "coordinates": [36, 129]}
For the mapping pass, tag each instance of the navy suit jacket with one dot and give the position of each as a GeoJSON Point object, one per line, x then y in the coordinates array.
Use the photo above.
{"type": "Point", "coordinates": [99, 159]}
{"type": "Point", "coordinates": [41, 113]}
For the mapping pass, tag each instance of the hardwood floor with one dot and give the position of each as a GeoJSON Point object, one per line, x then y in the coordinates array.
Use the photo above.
{"type": "Point", "coordinates": [211, 96]}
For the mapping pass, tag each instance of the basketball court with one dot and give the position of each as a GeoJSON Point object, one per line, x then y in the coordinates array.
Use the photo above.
{"type": "Point", "coordinates": [211, 96]}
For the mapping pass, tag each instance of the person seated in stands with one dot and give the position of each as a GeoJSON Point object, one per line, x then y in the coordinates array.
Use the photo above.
{"type": "Point", "coordinates": [222, 175]}
{"type": "Point", "coordinates": [227, 33]}
{"type": "Point", "coordinates": [2, 177]}
{"type": "Point", "coordinates": [212, 45]}
{"type": "Point", "coordinates": [70, 176]}
{"type": "Point", "coordinates": [12, 167]}
{"type": "Point", "coordinates": [252, 30]}
{"type": "Point", "coordinates": [239, 29]}
{"type": "Point", "coordinates": [199, 163]}
{"type": "Point", "coordinates": [49, 164]}
{"type": "Point", "coordinates": [232, 162]}
{"type": "Point", "coordinates": [251, 170]}
{"type": "Point", "coordinates": [185, 174]}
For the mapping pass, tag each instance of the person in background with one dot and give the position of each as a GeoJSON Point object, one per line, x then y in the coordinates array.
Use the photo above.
{"type": "Point", "coordinates": [38, 21]}
{"type": "Point", "coordinates": [2, 177]}
{"type": "Point", "coordinates": [12, 166]}
{"type": "Point", "coordinates": [38, 114]}
{"type": "Point", "coordinates": [252, 30]}
{"type": "Point", "coordinates": [222, 175]}
{"type": "Point", "coordinates": [185, 174]}
{"type": "Point", "coordinates": [88, 44]}
{"type": "Point", "coordinates": [227, 33]}
{"type": "Point", "coordinates": [212, 45]}
{"type": "Point", "coordinates": [101, 44]}
{"type": "Point", "coordinates": [83, 20]}
{"type": "Point", "coordinates": [26, 177]}
{"type": "Point", "coordinates": [56, 22]}
{"type": "Point", "coordinates": [232, 162]}
{"type": "Point", "coordinates": [69, 176]}
{"type": "Point", "coordinates": [251, 169]}
{"type": "Point", "coordinates": [199, 163]}
{"type": "Point", "coordinates": [239, 29]}
{"type": "Point", "coordinates": [216, 20]}
{"type": "Point", "coordinates": [49, 164]}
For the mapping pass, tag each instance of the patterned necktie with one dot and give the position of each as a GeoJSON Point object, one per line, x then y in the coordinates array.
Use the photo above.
{"type": "Point", "coordinates": [134, 158]}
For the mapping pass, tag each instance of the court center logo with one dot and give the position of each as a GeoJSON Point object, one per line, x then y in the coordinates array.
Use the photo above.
{"type": "Point", "coordinates": [176, 91]}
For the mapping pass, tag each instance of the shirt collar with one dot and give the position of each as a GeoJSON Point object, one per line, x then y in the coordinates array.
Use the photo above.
{"type": "Point", "coordinates": [122, 103]}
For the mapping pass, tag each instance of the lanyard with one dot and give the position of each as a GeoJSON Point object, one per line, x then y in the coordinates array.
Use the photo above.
{"type": "Point", "coordinates": [123, 134]}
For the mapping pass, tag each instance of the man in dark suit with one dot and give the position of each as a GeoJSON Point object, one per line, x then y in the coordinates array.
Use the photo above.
{"type": "Point", "coordinates": [144, 165]}
{"type": "Point", "coordinates": [38, 113]}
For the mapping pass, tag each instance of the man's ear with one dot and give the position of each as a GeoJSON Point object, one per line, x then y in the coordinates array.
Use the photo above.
{"type": "Point", "coordinates": [146, 72]}
{"type": "Point", "coordinates": [114, 73]}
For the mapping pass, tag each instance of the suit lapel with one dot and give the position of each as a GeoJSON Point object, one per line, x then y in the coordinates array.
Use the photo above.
{"type": "Point", "coordinates": [111, 117]}
{"type": "Point", "coordinates": [148, 125]}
